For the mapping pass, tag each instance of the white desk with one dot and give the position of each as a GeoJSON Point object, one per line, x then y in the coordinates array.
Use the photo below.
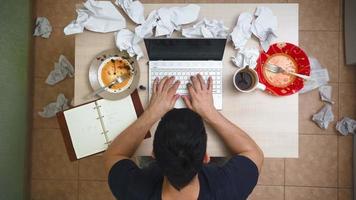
{"type": "Point", "coordinates": [271, 121]}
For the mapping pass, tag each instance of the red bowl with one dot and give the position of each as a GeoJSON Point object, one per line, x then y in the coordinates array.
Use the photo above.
{"type": "Point", "coordinates": [293, 52]}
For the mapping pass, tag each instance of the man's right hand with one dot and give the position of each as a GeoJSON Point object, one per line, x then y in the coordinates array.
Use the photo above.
{"type": "Point", "coordinates": [201, 97]}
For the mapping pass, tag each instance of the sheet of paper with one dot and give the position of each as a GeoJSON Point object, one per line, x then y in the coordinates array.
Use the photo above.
{"type": "Point", "coordinates": [85, 130]}
{"type": "Point", "coordinates": [246, 57]}
{"type": "Point", "coordinates": [134, 9]}
{"type": "Point", "coordinates": [97, 16]}
{"type": "Point", "coordinates": [265, 26]}
{"type": "Point", "coordinates": [242, 31]}
{"type": "Point", "coordinates": [118, 115]}
{"type": "Point", "coordinates": [206, 29]}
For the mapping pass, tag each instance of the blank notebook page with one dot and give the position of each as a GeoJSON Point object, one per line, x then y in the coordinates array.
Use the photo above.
{"type": "Point", "coordinates": [85, 130]}
{"type": "Point", "coordinates": [118, 115]}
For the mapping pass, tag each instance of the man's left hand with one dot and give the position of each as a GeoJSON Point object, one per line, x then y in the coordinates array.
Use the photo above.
{"type": "Point", "coordinates": [163, 96]}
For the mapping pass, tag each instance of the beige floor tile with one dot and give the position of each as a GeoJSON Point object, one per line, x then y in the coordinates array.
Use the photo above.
{"type": "Point", "coordinates": [345, 161]}
{"type": "Point", "coordinates": [49, 156]}
{"type": "Point", "coordinates": [59, 13]}
{"type": "Point", "coordinates": [347, 96]}
{"type": "Point", "coordinates": [54, 189]}
{"type": "Point", "coordinates": [309, 104]}
{"type": "Point", "coordinates": [346, 73]}
{"type": "Point", "coordinates": [267, 193]}
{"type": "Point", "coordinates": [318, 14]}
{"type": "Point", "coordinates": [345, 194]}
{"type": "Point", "coordinates": [310, 193]}
{"type": "Point", "coordinates": [92, 168]}
{"type": "Point", "coordinates": [45, 94]}
{"type": "Point", "coordinates": [47, 51]}
{"type": "Point", "coordinates": [94, 190]}
{"type": "Point", "coordinates": [323, 45]}
{"type": "Point", "coordinates": [316, 165]}
{"type": "Point", "coordinates": [272, 172]}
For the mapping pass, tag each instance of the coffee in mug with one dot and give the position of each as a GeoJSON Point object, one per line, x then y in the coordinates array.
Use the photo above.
{"type": "Point", "coordinates": [246, 80]}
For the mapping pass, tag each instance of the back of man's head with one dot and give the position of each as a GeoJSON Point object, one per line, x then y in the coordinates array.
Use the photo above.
{"type": "Point", "coordinates": [179, 146]}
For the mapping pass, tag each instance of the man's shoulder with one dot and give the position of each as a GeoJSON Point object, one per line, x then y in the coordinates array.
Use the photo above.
{"type": "Point", "coordinates": [128, 181]}
{"type": "Point", "coordinates": [234, 178]}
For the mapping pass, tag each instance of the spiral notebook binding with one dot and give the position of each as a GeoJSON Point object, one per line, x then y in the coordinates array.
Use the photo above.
{"type": "Point", "coordinates": [96, 106]}
{"type": "Point", "coordinates": [100, 118]}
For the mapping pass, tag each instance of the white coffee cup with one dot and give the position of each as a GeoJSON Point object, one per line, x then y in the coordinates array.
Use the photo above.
{"type": "Point", "coordinates": [248, 83]}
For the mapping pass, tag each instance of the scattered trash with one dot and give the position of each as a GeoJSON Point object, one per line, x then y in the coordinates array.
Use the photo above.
{"type": "Point", "coordinates": [324, 116]}
{"type": "Point", "coordinates": [52, 108]}
{"type": "Point", "coordinates": [43, 27]}
{"type": "Point", "coordinates": [61, 69]}
{"type": "Point", "coordinates": [346, 126]}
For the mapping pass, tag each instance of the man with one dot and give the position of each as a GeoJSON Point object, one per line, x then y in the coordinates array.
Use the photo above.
{"type": "Point", "coordinates": [181, 170]}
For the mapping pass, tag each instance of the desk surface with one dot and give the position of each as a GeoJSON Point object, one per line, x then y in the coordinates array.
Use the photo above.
{"type": "Point", "coordinates": [271, 121]}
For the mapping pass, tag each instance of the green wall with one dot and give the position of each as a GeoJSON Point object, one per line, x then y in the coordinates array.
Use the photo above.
{"type": "Point", "coordinates": [15, 25]}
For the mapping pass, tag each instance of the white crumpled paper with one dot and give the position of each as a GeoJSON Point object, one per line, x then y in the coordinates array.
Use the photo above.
{"type": "Point", "coordinates": [146, 29]}
{"type": "Point", "coordinates": [346, 126]}
{"type": "Point", "coordinates": [51, 109]}
{"type": "Point", "coordinates": [242, 31]}
{"type": "Point", "coordinates": [246, 57]}
{"type": "Point", "coordinates": [170, 19]}
{"type": "Point", "coordinates": [165, 20]}
{"type": "Point", "coordinates": [126, 40]}
{"type": "Point", "coordinates": [318, 76]}
{"type": "Point", "coordinates": [97, 16]}
{"type": "Point", "coordinates": [207, 29]}
{"type": "Point", "coordinates": [62, 69]}
{"type": "Point", "coordinates": [43, 27]}
{"type": "Point", "coordinates": [325, 93]}
{"type": "Point", "coordinates": [265, 26]}
{"type": "Point", "coordinates": [134, 9]}
{"type": "Point", "coordinates": [324, 116]}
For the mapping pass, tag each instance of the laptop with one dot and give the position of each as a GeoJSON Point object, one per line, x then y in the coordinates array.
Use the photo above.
{"type": "Point", "coordinates": [183, 58]}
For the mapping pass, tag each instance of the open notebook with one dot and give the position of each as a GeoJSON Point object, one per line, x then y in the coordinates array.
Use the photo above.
{"type": "Point", "coordinates": [89, 128]}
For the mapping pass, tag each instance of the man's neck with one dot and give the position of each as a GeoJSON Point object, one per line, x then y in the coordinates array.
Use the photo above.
{"type": "Point", "coordinates": [189, 192]}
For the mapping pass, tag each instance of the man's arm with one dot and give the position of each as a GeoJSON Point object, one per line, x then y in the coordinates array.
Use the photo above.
{"type": "Point", "coordinates": [201, 101]}
{"type": "Point", "coordinates": [126, 143]}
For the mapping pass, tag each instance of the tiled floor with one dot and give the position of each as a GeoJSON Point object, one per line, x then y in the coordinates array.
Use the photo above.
{"type": "Point", "coordinates": [323, 170]}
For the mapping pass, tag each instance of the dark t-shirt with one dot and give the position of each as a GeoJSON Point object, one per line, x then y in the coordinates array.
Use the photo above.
{"type": "Point", "coordinates": [234, 180]}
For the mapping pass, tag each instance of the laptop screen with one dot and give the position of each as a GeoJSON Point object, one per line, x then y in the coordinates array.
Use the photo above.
{"type": "Point", "coordinates": [185, 48]}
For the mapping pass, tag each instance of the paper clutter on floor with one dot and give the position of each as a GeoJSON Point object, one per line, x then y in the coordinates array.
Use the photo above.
{"type": "Point", "coordinates": [62, 69]}
{"type": "Point", "coordinates": [52, 108]}
{"type": "Point", "coordinates": [318, 76]}
{"type": "Point", "coordinates": [324, 116]}
{"type": "Point", "coordinates": [325, 93]}
{"type": "Point", "coordinates": [346, 126]}
{"type": "Point", "coordinates": [43, 27]}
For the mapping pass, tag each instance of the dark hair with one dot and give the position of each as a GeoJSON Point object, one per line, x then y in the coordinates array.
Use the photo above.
{"type": "Point", "coordinates": [179, 146]}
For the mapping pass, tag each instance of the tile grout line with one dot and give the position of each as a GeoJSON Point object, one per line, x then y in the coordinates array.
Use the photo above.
{"type": "Point", "coordinates": [284, 178]}
{"type": "Point", "coordinates": [78, 181]}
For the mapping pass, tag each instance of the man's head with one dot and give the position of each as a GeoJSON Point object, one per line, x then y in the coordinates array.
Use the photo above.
{"type": "Point", "coordinates": [179, 146]}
